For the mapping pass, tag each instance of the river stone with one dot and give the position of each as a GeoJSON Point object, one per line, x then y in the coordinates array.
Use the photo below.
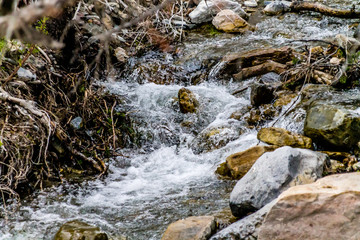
{"type": "Point", "coordinates": [273, 173]}
{"type": "Point", "coordinates": [187, 101]}
{"type": "Point", "coordinates": [261, 94]}
{"type": "Point", "coordinates": [251, 4]}
{"type": "Point", "coordinates": [238, 164]}
{"type": "Point", "coordinates": [246, 228]}
{"type": "Point", "coordinates": [326, 209]}
{"type": "Point", "coordinates": [191, 228]}
{"type": "Point", "coordinates": [332, 125]}
{"type": "Point", "coordinates": [214, 138]}
{"type": "Point", "coordinates": [229, 21]}
{"type": "Point", "coordinates": [277, 7]}
{"type": "Point", "coordinates": [283, 137]}
{"type": "Point", "coordinates": [120, 54]}
{"type": "Point", "coordinates": [76, 230]}
{"type": "Point", "coordinates": [207, 9]}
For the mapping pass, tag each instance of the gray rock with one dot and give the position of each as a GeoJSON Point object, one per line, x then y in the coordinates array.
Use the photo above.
{"type": "Point", "coordinates": [76, 123]}
{"type": "Point", "coordinates": [208, 9]}
{"type": "Point", "coordinates": [26, 74]}
{"type": "Point", "coordinates": [333, 125]}
{"type": "Point", "coordinates": [273, 173]}
{"type": "Point", "coordinates": [246, 228]}
{"type": "Point", "coordinates": [277, 7]}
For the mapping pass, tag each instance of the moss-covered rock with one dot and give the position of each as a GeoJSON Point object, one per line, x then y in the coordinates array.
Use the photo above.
{"type": "Point", "coordinates": [332, 125]}
{"type": "Point", "coordinates": [187, 101]}
{"type": "Point", "coordinates": [238, 164]}
{"type": "Point", "coordinates": [283, 137]}
{"type": "Point", "coordinates": [76, 230]}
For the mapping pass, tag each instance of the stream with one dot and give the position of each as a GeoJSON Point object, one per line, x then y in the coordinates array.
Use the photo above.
{"type": "Point", "coordinates": [165, 180]}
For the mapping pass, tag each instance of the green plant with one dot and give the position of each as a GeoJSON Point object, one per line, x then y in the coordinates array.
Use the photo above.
{"type": "Point", "coordinates": [41, 25]}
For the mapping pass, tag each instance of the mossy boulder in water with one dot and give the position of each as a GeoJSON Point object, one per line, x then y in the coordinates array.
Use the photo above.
{"type": "Point", "coordinates": [283, 137]}
{"type": "Point", "coordinates": [191, 228]}
{"type": "Point", "coordinates": [76, 230]}
{"type": "Point", "coordinates": [332, 125]}
{"type": "Point", "coordinates": [187, 101]}
{"type": "Point", "coordinates": [238, 164]}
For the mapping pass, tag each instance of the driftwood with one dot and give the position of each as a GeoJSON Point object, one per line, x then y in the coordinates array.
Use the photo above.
{"type": "Point", "coordinates": [268, 66]}
{"type": "Point", "coordinates": [238, 61]}
{"type": "Point", "coordinates": [299, 6]}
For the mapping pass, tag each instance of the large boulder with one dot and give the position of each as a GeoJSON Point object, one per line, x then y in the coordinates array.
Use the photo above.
{"type": "Point", "coordinates": [246, 228]}
{"type": "Point", "coordinates": [332, 125]}
{"type": "Point", "coordinates": [273, 173]}
{"type": "Point", "coordinates": [283, 137]}
{"type": "Point", "coordinates": [229, 21]}
{"type": "Point", "coordinates": [238, 164]}
{"type": "Point", "coordinates": [207, 9]}
{"type": "Point", "coordinates": [76, 230]}
{"type": "Point", "coordinates": [326, 209]}
{"type": "Point", "coordinates": [187, 101]}
{"type": "Point", "coordinates": [191, 228]}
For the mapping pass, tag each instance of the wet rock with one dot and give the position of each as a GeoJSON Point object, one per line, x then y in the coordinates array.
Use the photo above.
{"type": "Point", "coordinates": [336, 167]}
{"type": "Point", "coordinates": [284, 98]}
{"type": "Point", "coordinates": [254, 117]}
{"type": "Point", "coordinates": [229, 21]}
{"type": "Point", "coordinates": [121, 55]}
{"type": "Point", "coordinates": [238, 164]}
{"type": "Point", "coordinates": [191, 228]}
{"type": "Point", "coordinates": [246, 228]}
{"type": "Point", "coordinates": [261, 94]}
{"type": "Point", "coordinates": [273, 173]}
{"type": "Point", "coordinates": [277, 7]}
{"type": "Point", "coordinates": [339, 156]}
{"type": "Point", "coordinates": [76, 230]}
{"type": "Point", "coordinates": [214, 138]}
{"type": "Point", "coordinates": [187, 101]}
{"type": "Point", "coordinates": [326, 209]}
{"type": "Point", "coordinates": [332, 125]}
{"type": "Point", "coordinates": [206, 10]}
{"type": "Point", "coordinates": [283, 137]}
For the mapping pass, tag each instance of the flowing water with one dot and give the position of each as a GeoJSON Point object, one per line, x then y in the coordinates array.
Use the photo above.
{"type": "Point", "coordinates": [167, 178]}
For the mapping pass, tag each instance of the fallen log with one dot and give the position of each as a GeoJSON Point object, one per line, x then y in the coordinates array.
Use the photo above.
{"type": "Point", "coordinates": [266, 67]}
{"type": "Point", "coordinates": [299, 6]}
{"type": "Point", "coordinates": [238, 61]}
